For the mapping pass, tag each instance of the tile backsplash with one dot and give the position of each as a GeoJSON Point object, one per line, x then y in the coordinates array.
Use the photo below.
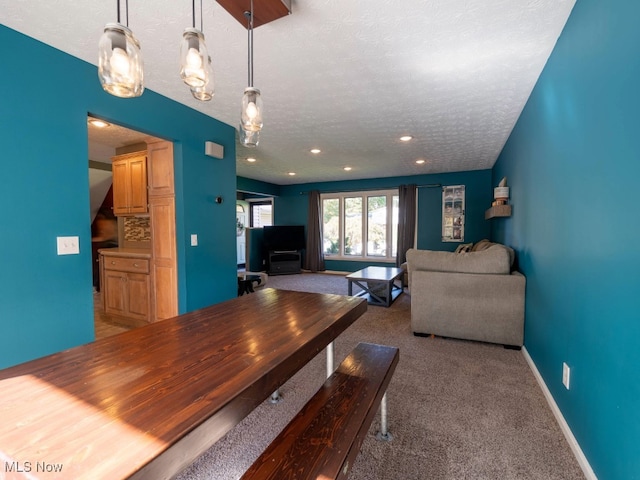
{"type": "Point", "coordinates": [137, 229]}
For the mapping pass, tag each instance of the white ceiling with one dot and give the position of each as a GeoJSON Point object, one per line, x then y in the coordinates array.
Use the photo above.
{"type": "Point", "coordinates": [348, 77]}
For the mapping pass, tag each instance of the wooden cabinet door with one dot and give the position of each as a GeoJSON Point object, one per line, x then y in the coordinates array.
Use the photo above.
{"type": "Point", "coordinates": [160, 168]}
{"type": "Point", "coordinates": [115, 292]}
{"type": "Point", "coordinates": [163, 244]}
{"type": "Point", "coordinates": [138, 185]}
{"type": "Point", "coordinates": [120, 173]}
{"type": "Point", "coordinates": [138, 298]}
{"type": "Point", "coordinates": [130, 184]}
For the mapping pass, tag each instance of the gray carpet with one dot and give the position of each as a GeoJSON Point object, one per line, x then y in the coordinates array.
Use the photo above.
{"type": "Point", "coordinates": [457, 409]}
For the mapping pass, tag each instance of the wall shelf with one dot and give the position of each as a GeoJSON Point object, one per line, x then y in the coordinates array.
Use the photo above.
{"type": "Point", "coordinates": [498, 211]}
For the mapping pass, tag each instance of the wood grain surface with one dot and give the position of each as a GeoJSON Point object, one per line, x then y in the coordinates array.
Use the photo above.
{"type": "Point", "coordinates": [145, 403]}
{"type": "Point", "coordinates": [323, 440]}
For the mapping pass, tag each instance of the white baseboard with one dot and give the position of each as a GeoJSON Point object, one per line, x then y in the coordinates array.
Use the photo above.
{"type": "Point", "coordinates": [564, 426]}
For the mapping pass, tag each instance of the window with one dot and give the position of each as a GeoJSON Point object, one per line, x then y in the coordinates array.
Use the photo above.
{"type": "Point", "coordinates": [261, 214]}
{"type": "Point", "coordinates": [360, 225]}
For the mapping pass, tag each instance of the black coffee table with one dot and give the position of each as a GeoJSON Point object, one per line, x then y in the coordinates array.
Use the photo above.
{"type": "Point", "coordinates": [378, 284]}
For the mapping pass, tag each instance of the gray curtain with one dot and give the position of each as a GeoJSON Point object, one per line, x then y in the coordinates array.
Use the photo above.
{"type": "Point", "coordinates": [313, 258]}
{"type": "Point", "coordinates": [406, 221]}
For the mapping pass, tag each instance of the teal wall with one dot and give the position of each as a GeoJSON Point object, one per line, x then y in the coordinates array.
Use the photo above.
{"type": "Point", "coordinates": [46, 301]}
{"type": "Point", "coordinates": [249, 185]}
{"type": "Point", "coordinates": [573, 164]}
{"type": "Point", "coordinates": [291, 207]}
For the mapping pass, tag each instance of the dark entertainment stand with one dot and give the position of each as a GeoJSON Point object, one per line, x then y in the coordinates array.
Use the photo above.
{"type": "Point", "coordinates": [283, 262]}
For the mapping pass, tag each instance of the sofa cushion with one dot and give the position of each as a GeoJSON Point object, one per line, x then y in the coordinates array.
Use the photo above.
{"type": "Point", "coordinates": [494, 260]}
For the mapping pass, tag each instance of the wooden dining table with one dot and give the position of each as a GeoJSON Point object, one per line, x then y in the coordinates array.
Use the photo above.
{"type": "Point", "coordinates": [145, 403]}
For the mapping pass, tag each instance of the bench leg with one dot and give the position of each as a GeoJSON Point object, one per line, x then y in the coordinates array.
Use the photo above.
{"type": "Point", "coordinates": [383, 435]}
{"type": "Point", "coordinates": [330, 358]}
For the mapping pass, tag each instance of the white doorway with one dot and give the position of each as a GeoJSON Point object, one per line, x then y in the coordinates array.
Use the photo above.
{"type": "Point", "coordinates": [242, 218]}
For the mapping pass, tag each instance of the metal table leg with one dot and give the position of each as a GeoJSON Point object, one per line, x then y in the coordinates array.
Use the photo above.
{"type": "Point", "coordinates": [384, 434]}
{"type": "Point", "coordinates": [330, 357]}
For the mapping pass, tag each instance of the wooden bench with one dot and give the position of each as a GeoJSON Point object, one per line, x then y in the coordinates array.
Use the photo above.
{"type": "Point", "coordinates": [324, 438]}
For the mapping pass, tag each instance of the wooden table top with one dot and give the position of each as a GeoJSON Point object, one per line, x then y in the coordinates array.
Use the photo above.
{"type": "Point", "coordinates": [386, 274]}
{"type": "Point", "coordinates": [147, 402]}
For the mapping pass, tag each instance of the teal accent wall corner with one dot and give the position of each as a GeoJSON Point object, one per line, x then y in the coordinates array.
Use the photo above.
{"type": "Point", "coordinates": [573, 162]}
{"type": "Point", "coordinates": [46, 302]}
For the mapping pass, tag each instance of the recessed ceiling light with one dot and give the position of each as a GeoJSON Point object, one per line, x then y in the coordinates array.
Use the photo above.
{"type": "Point", "coordinates": [98, 123]}
{"type": "Point", "coordinates": [292, 174]}
{"type": "Point", "coordinates": [420, 161]}
{"type": "Point", "coordinates": [315, 151]}
{"type": "Point", "coordinates": [251, 159]}
{"type": "Point", "coordinates": [347, 169]}
{"type": "Point", "coordinates": [405, 138]}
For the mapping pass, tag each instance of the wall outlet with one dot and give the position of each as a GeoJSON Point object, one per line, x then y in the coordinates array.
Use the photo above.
{"type": "Point", "coordinates": [194, 240]}
{"type": "Point", "coordinates": [566, 375]}
{"type": "Point", "coordinates": [68, 245]}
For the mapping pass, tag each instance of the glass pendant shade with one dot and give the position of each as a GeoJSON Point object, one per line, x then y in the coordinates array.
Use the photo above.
{"type": "Point", "coordinates": [206, 92]}
{"type": "Point", "coordinates": [120, 62]}
{"type": "Point", "coordinates": [193, 58]}
{"type": "Point", "coordinates": [251, 119]}
{"type": "Point", "coordinates": [249, 138]}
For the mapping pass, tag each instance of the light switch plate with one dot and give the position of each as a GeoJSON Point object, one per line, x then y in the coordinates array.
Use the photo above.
{"type": "Point", "coordinates": [194, 240]}
{"type": "Point", "coordinates": [68, 245]}
{"type": "Point", "coordinates": [566, 375]}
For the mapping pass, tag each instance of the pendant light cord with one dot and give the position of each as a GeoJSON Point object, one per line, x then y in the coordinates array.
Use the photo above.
{"type": "Point", "coordinates": [126, 3]}
{"type": "Point", "coordinates": [250, 43]}
{"type": "Point", "coordinates": [193, 14]}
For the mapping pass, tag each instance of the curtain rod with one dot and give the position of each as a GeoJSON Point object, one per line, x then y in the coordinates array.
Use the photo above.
{"type": "Point", "coordinates": [429, 185]}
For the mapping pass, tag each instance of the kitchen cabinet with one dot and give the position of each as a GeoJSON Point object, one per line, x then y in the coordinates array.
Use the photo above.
{"type": "Point", "coordinates": [130, 184]}
{"type": "Point", "coordinates": [126, 284]}
{"type": "Point", "coordinates": [162, 212]}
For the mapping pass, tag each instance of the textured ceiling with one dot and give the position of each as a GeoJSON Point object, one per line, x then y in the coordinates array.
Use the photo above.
{"type": "Point", "coordinates": [348, 77]}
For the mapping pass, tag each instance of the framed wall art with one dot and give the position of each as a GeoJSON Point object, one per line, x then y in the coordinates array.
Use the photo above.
{"type": "Point", "coordinates": [453, 213]}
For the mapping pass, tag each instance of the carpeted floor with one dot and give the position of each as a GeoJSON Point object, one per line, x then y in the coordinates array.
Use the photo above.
{"type": "Point", "coordinates": [457, 409]}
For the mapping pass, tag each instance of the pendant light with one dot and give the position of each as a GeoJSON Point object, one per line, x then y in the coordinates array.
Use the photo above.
{"type": "Point", "coordinates": [249, 138]}
{"type": "Point", "coordinates": [194, 59]}
{"type": "Point", "coordinates": [206, 92]}
{"type": "Point", "coordinates": [120, 61]}
{"type": "Point", "coordinates": [251, 113]}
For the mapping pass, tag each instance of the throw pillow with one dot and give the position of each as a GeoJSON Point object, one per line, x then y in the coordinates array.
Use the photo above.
{"type": "Point", "coordinates": [464, 248]}
{"type": "Point", "coordinates": [482, 245]}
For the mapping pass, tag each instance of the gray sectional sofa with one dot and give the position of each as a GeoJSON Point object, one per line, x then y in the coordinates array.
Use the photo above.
{"type": "Point", "coordinates": [472, 295]}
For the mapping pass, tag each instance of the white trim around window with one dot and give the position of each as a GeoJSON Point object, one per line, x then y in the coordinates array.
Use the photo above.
{"type": "Point", "coordinates": [360, 226]}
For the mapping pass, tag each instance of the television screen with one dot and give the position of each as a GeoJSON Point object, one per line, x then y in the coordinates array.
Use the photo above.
{"type": "Point", "coordinates": [284, 238]}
